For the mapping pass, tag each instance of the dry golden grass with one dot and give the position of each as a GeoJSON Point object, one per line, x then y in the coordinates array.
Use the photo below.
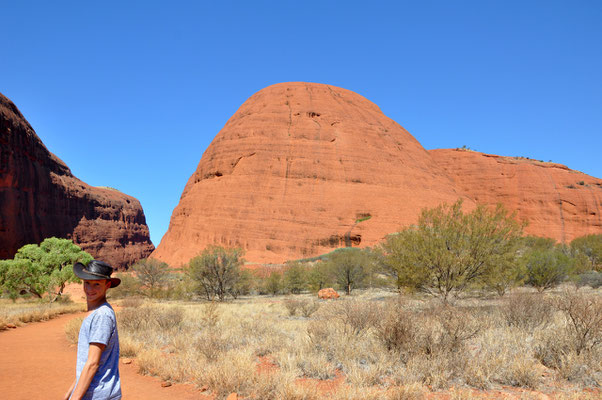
{"type": "Point", "coordinates": [25, 311]}
{"type": "Point", "coordinates": [384, 346]}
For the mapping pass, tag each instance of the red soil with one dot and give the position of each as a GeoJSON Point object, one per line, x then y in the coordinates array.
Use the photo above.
{"type": "Point", "coordinates": [39, 363]}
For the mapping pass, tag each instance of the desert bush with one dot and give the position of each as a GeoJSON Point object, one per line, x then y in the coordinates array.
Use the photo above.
{"type": "Point", "coordinates": [449, 330]}
{"type": "Point", "coordinates": [591, 247]}
{"type": "Point", "coordinates": [210, 314]}
{"type": "Point", "coordinates": [308, 307]}
{"type": "Point", "coordinates": [583, 314]}
{"type": "Point", "coordinates": [292, 305]}
{"type": "Point", "coordinates": [527, 311]}
{"type": "Point", "coordinates": [72, 329]}
{"type": "Point", "coordinates": [131, 302]}
{"type": "Point", "coordinates": [295, 278]}
{"type": "Point", "coordinates": [212, 345]}
{"type": "Point", "coordinates": [348, 268]}
{"type": "Point", "coordinates": [135, 319]}
{"type": "Point", "coordinates": [169, 318]}
{"type": "Point", "coordinates": [592, 279]}
{"type": "Point", "coordinates": [396, 328]}
{"type": "Point", "coordinates": [547, 268]}
{"type": "Point", "coordinates": [318, 277]}
{"type": "Point", "coordinates": [129, 286]}
{"type": "Point", "coordinates": [216, 271]}
{"type": "Point", "coordinates": [273, 283]}
{"type": "Point", "coordinates": [448, 250]}
{"type": "Point", "coordinates": [304, 307]}
{"type": "Point", "coordinates": [353, 316]}
{"type": "Point", "coordinates": [152, 275]}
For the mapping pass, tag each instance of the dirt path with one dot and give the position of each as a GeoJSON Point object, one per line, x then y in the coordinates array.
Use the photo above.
{"type": "Point", "coordinates": [37, 362]}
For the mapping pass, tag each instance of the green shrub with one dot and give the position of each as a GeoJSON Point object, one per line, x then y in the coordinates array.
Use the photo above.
{"type": "Point", "coordinates": [592, 279]}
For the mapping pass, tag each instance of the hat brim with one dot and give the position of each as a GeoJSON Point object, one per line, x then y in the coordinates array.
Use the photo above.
{"type": "Point", "coordinates": [78, 270]}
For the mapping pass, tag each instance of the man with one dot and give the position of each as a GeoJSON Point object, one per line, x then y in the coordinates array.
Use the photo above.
{"type": "Point", "coordinates": [97, 370]}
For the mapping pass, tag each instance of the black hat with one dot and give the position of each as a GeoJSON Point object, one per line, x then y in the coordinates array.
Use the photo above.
{"type": "Point", "coordinates": [96, 270]}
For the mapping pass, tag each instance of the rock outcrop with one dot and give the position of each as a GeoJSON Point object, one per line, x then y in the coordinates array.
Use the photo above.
{"type": "Point", "coordinates": [555, 201]}
{"type": "Point", "coordinates": [300, 169]}
{"type": "Point", "coordinates": [40, 198]}
{"type": "Point", "coordinates": [327, 294]}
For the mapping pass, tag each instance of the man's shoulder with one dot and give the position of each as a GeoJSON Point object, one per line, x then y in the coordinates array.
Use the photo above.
{"type": "Point", "coordinates": [105, 310]}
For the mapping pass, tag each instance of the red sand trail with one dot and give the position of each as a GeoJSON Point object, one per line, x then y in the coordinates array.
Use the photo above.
{"type": "Point", "coordinates": [37, 362]}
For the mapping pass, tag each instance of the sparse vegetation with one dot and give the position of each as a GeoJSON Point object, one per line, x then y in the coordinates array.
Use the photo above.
{"type": "Point", "coordinates": [26, 311]}
{"type": "Point", "coordinates": [382, 344]}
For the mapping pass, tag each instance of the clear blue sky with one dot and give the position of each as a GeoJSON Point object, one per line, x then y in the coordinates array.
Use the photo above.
{"type": "Point", "coordinates": [147, 85]}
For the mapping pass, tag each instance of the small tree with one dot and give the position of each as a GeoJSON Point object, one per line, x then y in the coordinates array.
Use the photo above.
{"type": "Point", "coordinates": [547, 267]}
{"type": "Point", "coordinates": [216, 271]}
{"type": "Point", "coordinates": [348, 267]}
{"type": "Point", "coordinates": [318, 277]}
{"type": "Point", "coordinates": [152, 274]}
{"type": "Point", "coordinates": [273, 283]}
{"type": "Point", "coordinates": [591, 247]}
{"type": "Point", "coordinates": [295, 279]}
{"type": "Point", "coordinates": [44, 268]}
{"type": "Point", "coordinates": [449, 250]}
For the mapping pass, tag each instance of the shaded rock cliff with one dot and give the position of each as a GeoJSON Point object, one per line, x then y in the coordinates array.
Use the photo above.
{"type": "Point", "coordinates": [40, 198]}
{"type": "Point", "coordinates": [300, 169]}
{"type": "Point", "coordinates": [556, 201]}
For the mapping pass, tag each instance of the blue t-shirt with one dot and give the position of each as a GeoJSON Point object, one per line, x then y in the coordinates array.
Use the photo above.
{"type": "Point", "coordinates": [100, 327]}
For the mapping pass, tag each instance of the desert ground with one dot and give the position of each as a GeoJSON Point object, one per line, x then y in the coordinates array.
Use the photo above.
{"type": "Point", "coordinates": [296, 347]}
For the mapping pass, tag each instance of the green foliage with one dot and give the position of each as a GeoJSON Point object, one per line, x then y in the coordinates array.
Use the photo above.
{"type": "Point", "coordinates": [591, 247]}
{"type": "Point", "coordinates": [547, 267]}
{"type": "Point", "coordinates": [129, 286]}
{"type": "Point", "coordinates": [318, 277]}
{"type": "Point", "coordinates": [40, 269]}
{"type": "Point", "coordinates": [362, 219]}
{"type": "Point", "coordinates": [244, 284]}
{"type": "Point", "coordinates": [592, 279]}
{"type": "Point", "coordinates": [273, 284]}
{"type": "Point", "coordinates": [348, 268]}
{"type": "Point", "coordinates": [216, 271]}
{"type": "Point", "coordinates": [152, 275]}
{"type": "Point", "coordinates": [295, 278]}
{"type": "Point", "coordinates": [536, 242]}
{"type": "Point", "coordinates": [449, 250]}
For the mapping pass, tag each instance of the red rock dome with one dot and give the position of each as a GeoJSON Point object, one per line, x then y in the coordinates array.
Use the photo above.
{"type": "Point", "coordinates": [300, 169]}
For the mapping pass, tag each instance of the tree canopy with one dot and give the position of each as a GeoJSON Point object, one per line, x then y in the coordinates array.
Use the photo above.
{"type": "Point", "coordinates": [448, 250]}
{"type": "Point", "coordinates": [216, 271]}
{"type": "Point", "coordinates": [44, 268]}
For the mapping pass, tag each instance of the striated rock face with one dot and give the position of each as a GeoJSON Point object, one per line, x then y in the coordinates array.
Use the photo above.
{"type": "Point", "coordinates": [40, 198]}
{"type": "Point", "coordinates": [300, 169]}
{"type": "Point", "coordinates": [556, 201]}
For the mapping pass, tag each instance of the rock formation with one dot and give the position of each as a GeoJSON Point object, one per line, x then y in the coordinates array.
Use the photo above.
{"type": "Point", "coordinates": [327, 294]}
{"type": "Point", "coordinates": [40, 198]}
{"type": "Point", "coordinates": [555, 201]}
{"type": "Point", "coordinates": [301, 169]}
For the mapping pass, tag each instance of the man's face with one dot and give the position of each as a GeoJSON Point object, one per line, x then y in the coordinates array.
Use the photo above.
{"type": "Point", "coordinates": [96, 290]}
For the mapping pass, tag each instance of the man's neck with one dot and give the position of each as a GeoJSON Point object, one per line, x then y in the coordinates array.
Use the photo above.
{"type": "Point", "coordinates": [94, 305]}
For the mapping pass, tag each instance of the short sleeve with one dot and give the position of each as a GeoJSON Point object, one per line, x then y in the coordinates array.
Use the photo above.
{"type": "Point", "coordinates": [101, 328]}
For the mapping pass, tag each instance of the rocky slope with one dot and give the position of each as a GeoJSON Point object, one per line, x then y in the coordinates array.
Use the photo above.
{"type": "Point", "coordinates": [295, 170]}
{"type": "Point", "coordinates": [40, 197]}
{"type": "Point", "coordinates": [555, 201]}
